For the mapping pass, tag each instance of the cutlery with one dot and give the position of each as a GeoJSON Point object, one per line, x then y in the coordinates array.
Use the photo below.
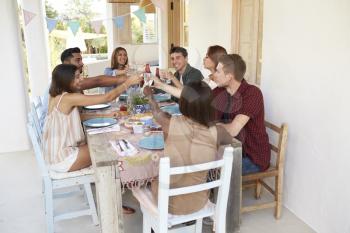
{"type": "Point", "coordinates": [126, 143]}
{"type": "Point", "coordinates": [121, 148]}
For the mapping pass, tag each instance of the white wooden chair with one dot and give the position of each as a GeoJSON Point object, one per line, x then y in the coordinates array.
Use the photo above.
{"type": "Point", "coordinates": [78, 181]}
{"type": "Point", "coordinates": [37, 113]}
{"type": "Point", "coordinates": [156, 216]}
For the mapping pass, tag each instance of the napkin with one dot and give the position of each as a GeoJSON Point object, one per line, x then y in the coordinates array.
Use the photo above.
{"type": "Point", "coordinates": [123, 148]}
{"type": "Point", "coordinates": [112, 128]}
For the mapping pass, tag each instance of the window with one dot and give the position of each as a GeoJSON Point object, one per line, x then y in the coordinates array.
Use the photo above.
{"type": "Point", "coordinates": [143, 33]}
{"type": "Point", "coordinates": [93, 44]}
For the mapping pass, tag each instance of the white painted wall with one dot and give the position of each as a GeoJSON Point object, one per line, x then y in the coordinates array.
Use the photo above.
{"type": "Point", "coordinates": [13, 133]}
{"type": "Point", "coordinates": [96, 68]}
{"type": "Point", "coordinates": [144, 53]}
{"type": "Point", "coordinates": [305, 81]}
{"type": "Point", "coordinates": [209, 24]}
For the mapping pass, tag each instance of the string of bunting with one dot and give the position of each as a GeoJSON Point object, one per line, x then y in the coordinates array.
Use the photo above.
{"type": "Point", "coordinates": [96, 25]}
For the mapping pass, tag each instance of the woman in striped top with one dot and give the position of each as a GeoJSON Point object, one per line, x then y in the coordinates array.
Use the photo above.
{"type": "Point", "coordinates": [64, 144]}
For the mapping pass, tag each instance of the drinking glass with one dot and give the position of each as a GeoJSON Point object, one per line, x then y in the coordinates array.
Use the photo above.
{"type": "Point", "coordinates": [164, 76]}
{"type": "Point", "coordinates": [132, 69]}
{"type": "Point", "coordinates": [85, 72]}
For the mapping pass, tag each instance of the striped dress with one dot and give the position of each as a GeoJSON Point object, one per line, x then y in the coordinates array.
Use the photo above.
{"type": "Point", "coordinates": [62, 135]}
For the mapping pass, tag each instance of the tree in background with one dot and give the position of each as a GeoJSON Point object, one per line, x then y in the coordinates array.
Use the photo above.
{"type": "Point", "coordinates": [56, 45]}
{"type": "Point", "coordinates": [82, 11]}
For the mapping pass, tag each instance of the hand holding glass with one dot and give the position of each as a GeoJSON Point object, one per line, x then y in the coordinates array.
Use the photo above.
{"type": "Point", "coordinates": [165, 76]}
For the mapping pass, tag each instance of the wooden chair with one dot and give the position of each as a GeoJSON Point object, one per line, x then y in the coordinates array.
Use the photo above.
{"type": "Point", "coordinates": [276, 171]}
{"type": "Point", "coordinates": [156, 216]}
{"type": "Point", "coordinates": [77, 182]}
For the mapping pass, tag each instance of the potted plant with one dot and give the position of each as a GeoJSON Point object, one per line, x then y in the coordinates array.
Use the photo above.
{"type": "Point", "coordinates": [139, 104]}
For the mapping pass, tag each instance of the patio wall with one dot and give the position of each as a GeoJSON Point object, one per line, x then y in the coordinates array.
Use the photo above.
{"type": "Point", "coordinates": [209, 24]}
{"type": "Point", "coordinates": [13, 134]}
{"type": "Point", "coordinates": [305, 81]}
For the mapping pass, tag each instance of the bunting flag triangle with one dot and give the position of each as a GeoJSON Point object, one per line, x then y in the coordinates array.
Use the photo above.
{"type": "Point", "coordinates": [28, 16]}
{"type": "Point", "coordinates": [119, 21]}
{"type": "Point", "coordinates": [74, 26]}
{"type": "Point", "coordinates": [161, 4]}
{"type": "Point", "coordinates": [140, 13]}
{"type": "Point", "coordinates": [96, 25]}
{"type": "Point", "coordinates": [51, 24]}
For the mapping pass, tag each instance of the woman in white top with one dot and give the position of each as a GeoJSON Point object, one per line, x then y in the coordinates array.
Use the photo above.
{"type": "Point", "coordinates": [64, 144]}
{"type": "Point", "coordinates": [210, 62]}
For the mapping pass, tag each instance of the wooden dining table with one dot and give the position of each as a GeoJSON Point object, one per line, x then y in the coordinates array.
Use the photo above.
{"type": "Point", "coordinates": [110, 178]}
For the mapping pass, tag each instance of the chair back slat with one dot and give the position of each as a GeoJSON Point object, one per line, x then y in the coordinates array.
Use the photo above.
{"type": "Point", "coordinates": [37, 111]}
{"type": "Point", "coordinates": [272, 127]}
{"type": "Point", "coordinates": [274, 148]}
{"type": "Point", "coordinates": [194, 188]}
{"type": "Point", "coordinates": [196, 167]}
{"type": "Point", "coordinates": [223, 183]}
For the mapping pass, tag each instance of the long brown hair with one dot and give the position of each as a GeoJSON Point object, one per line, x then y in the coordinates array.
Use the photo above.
{"type": "Point", "coordinates": [195, 103]}
{"type": "Point", "coordinates": [215, 52]}
{"type": "Point", "coordinates": [114, 59]}
{"type": "Point", "coordinates": [62, 78]}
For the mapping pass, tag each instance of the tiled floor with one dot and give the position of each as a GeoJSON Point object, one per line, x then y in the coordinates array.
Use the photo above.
{"type": "Point", "coordinates": [22, 208]}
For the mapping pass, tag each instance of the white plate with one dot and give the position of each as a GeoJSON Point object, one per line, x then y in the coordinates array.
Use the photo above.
{"type": "Point", "coordinates": [97, 106]}
{"type": "Point", "coordinates": [99, 122]}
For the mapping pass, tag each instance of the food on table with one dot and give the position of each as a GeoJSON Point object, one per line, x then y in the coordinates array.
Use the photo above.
{"type": "Point", "coordinates": [138, 116]}
{"type": "Point", "coordinates": [123, 108]}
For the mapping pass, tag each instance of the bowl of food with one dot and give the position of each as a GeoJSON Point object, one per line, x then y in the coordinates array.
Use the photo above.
{"type": "Point", "coordinates": [137, 127]}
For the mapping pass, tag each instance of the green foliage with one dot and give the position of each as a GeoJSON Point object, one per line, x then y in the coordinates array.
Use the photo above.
{"type": "Point", "coordinates": [80, 10]}
{"type": "Point", "coordinates": [139, 100]}
{"type": "Point", "coordinates": [136, 28]}
{"type": "Point", "coordinates": [50, 11]}
{"type": "Point", "coordinates": [77, 9]}
{"type": "Point", "coordinates": [57, 45]}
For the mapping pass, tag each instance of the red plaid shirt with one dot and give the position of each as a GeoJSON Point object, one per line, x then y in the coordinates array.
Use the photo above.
{"type": "Point", "coordinates": [247, 100]}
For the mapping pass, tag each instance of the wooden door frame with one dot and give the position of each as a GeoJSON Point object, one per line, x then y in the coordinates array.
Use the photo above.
{"type": "Point", "coordinates": [235, 34]}
{"type": "Point", "coordinates": [175, 24]}
{"type": "Point", "coordinates": [236, 4]}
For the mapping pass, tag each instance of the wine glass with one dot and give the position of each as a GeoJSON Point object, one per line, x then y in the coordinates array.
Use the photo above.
{"type": "Point", "coordinates": [164, 76]}
{"type": "Point", "coordinates": [132, 69]}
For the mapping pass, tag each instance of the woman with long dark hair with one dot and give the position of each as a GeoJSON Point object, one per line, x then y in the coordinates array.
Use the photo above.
{"type": "Point", "coordinates": [119, 64]}
{"type": "Point", "coordinates": [191, 138]}
{"type": "Point", "coordinates": [64, 143]}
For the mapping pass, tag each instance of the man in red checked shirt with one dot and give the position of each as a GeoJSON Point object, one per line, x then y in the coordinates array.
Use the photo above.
{"type": "Point", "coordinates": [240, 106]}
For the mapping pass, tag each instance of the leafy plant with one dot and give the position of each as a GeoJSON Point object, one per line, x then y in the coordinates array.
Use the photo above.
{"type": "Point", "coordinates": [139, 100]}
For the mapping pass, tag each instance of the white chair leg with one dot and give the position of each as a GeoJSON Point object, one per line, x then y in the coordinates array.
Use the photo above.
{"type": "Point", "coordinates": [49, 207]}
{"type": "Point", "coordinates": [42, 186]}
{"type": "Point", "coordinates": [91, 202]}
{"type": "Point", "coordinates": [146, 226]}
{"type": "Point", "coordinates": [199, 224]}
{"type": "Point", "coordinates": [219, 226]}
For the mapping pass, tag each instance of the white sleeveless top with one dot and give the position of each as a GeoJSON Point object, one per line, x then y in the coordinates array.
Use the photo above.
{"type": "Point", "coordinates": [62, 135]}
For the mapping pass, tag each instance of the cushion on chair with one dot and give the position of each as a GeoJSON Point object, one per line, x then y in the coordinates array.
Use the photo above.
{"type": "Point", "coordinates": [147, 201]}
{"type": "Point", "coordinates": [63, 175]}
